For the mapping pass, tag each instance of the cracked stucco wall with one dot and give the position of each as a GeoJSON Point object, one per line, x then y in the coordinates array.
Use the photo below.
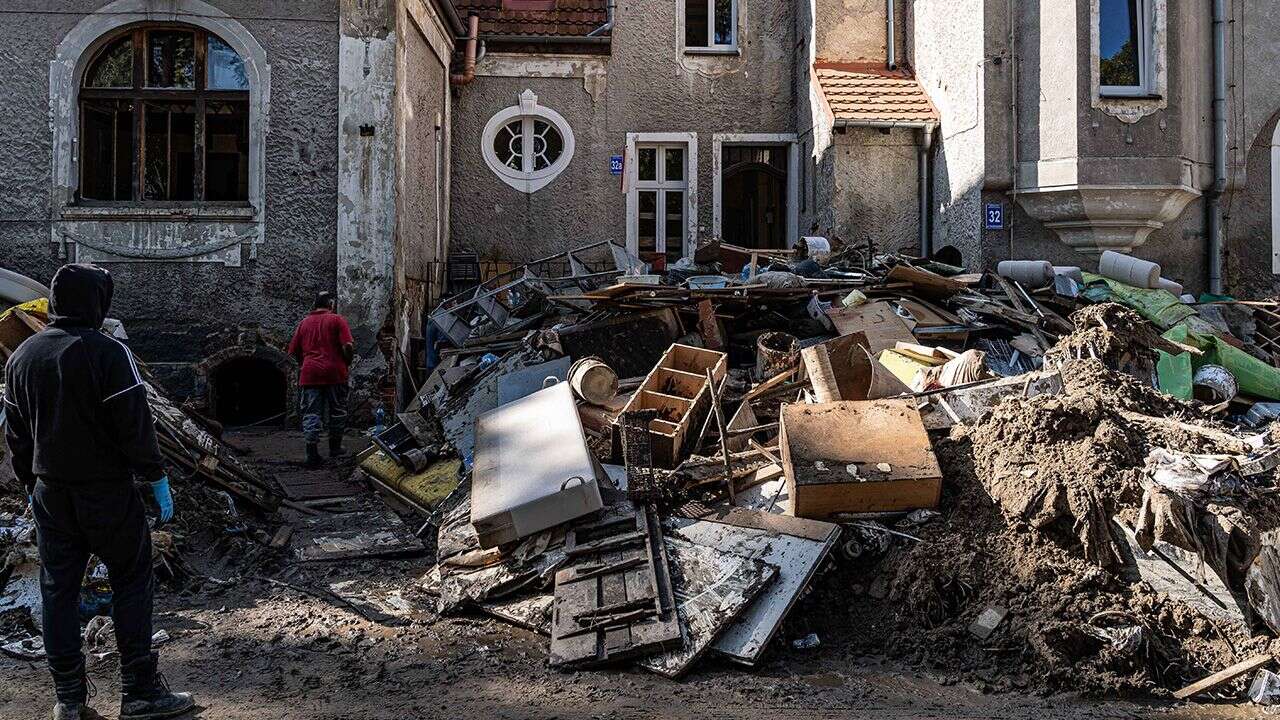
{"type": "Point", "coordinates": [172, 309]}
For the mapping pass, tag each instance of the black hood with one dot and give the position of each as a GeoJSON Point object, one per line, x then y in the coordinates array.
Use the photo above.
{"type": "Point", "coordinates": [81, 296]}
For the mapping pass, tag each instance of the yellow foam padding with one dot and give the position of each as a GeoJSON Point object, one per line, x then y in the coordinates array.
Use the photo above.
{"type": "Point", "coordinates": [427, 488]}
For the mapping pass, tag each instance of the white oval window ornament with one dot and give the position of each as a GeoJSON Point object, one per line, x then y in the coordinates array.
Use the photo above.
{"type": "Point", "coordinates": [527, 145]}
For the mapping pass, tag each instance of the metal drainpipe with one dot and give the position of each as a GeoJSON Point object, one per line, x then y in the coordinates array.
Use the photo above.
{"type": "Point", "coordinates": [926, 144]}
{"type": "Point", "coordinates": [891, 55]}
{"type": "Point", "coordinates": [1219, 145]}
{"type": "Point", "coordinates": [608, 21]}
{"type": "Point", "coordinates": [468, 73]}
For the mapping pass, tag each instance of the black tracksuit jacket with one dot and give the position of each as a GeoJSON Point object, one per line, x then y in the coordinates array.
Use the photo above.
{"type": "Point", "coordinates": [75, 404]}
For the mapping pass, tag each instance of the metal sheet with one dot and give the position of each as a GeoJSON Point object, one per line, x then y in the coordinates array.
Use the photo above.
{"type": "Point", "coordinates": [793, 545]}
{"type": "Point", "coordinates": [713, 588]}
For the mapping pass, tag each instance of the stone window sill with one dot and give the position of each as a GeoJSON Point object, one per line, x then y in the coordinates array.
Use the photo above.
{"type": "Point", "coordinates": [712, 51]}
{"type": "Point", "coordinates": [225, 213]}
{"type": "Point", "coordinates": [1124, 96]}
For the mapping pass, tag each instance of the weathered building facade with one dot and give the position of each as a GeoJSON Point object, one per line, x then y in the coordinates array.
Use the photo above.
{"type": "Point", "coordinates": [226, 160]}
{"type": "Point", "coordinates": [1005, 130]}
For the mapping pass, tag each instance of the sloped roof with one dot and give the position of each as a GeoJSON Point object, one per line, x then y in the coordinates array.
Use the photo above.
{"type": "Point", "coordinates": [874, 94]}
{"type": "Point", "coordinates": [565, 18]}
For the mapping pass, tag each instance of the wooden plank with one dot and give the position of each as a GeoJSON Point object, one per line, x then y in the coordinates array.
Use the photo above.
{"type": "Point", "coordinates": [632, 604]}
{"type": "Point", "coordinates": [1223, 676]}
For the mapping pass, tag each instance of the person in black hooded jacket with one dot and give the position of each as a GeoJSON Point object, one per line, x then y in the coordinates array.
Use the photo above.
{"type": "Point", "coordinates": [79, 430]}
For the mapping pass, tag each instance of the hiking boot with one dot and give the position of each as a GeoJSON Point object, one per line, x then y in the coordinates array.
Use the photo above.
{"type": "Point", "coordinates": [335, 447]}
{"type": "Point", "coordinates": [313, 455]}
{"type": "Point", "coordinates": [72, 688]}
{"type": "Point", "coordinates": [69, 711]}
{"type": "Point", "coordinates": [145, 695]}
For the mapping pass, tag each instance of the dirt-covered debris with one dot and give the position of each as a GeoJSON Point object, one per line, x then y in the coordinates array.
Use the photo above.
{"type": "Point", "coordinates": [1025, 527]}
{"type": "Point", "coordinates": [1113, 335]}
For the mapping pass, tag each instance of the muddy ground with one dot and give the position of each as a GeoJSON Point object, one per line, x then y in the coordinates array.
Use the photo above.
{"type": "Point", "coordinates": [253, 649]}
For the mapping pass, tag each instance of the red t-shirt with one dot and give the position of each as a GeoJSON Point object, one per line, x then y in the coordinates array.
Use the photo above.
{"type": "Point", "coordinates": [318, 341]}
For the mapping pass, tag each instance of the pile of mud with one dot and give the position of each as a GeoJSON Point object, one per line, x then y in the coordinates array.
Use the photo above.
{"type": "Point", "coordinates": [1024, 528]}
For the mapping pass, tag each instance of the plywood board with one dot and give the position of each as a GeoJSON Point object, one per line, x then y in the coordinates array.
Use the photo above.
{"type": "Point", "coordinates": [713, 588]}
{"type": "Point", "coordinates": [883, 327]}
{"type": "Point", "coordinates": [842, 369]}
{"type": "Point", "coordinates": [795, 546]}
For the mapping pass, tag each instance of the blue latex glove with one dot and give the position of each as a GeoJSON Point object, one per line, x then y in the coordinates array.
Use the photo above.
{"type": "Point", "coordinates": [160, 489]}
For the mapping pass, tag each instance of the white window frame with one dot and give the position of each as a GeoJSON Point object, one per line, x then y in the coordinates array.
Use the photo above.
{"type": "Point", "coordinates": [527, 109]}
{"type": "Point", "coordinates": [1146, 60]}
{"type": "Point", "coordinates": [791, 140]}
{"type": "Point", "coordinates": [633, 185]}
{"type": "Point", "coordinates": [711, 47]}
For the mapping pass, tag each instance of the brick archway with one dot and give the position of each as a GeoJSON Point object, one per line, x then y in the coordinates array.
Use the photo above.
{"type": "Point", "coordinates": [249, 349]}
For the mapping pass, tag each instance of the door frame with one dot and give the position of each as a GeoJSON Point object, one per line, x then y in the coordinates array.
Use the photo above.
{"type": "Point", "coordinates": [631, 168]}
{"type": "Point", "coordinates": [792, 141]}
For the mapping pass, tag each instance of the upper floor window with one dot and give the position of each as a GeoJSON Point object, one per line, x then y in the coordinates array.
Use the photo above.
{"type": "Point", "coordinates": [1124, 47]}
{"type": "Point", "coordinates": [527, 145]}
{"type": "Point", "coordinates": [164, 117]}
{"type": "Point", "coordinates": [711, 24]}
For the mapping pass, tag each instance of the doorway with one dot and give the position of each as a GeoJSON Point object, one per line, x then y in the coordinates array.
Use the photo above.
{"type": "Point", "coordinates": [754, 186]}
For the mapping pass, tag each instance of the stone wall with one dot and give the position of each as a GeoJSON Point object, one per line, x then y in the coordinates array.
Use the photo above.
{"type": "Point", "coordinates": [171, 308]}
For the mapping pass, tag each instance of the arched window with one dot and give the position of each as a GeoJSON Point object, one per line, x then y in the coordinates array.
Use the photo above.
{"type": "Point", "coordinates": [164, 117]}
{"type": "Point", "coordinates": [527, 145]}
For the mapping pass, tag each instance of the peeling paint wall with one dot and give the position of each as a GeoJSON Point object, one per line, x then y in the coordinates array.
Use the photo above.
{"type": "Point", "coordinates": [366, 171]}
{"type": "Point", "coordinates": [174, 310]}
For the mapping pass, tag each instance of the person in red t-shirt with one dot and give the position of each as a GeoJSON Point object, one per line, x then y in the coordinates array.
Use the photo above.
{"type": "Point", "coordinates": [324, 346]}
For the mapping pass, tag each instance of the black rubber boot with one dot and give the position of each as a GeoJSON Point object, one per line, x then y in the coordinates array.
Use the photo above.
{"type": "Point", "coordinates": [335, 447]}
{"type": "Point", "coordinates": [313, 455]}
{"type": "Point", "coordinates": [145, 695]}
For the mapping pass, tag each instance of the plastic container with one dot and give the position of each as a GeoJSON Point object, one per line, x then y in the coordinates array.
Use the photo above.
{"type": "Point", "coordinates": [1214, 384]}
{"type": "Point", "coordinates": [1032, 273]}
{"type": "Point", "coordinates": [1128, 269]}
{"type": "Point", "coordinates": [593, 381]}
{"type": "Point", "coordinates": [707, 282]}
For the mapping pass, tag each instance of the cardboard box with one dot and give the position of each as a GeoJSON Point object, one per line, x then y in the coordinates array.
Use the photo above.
{"type": "Point", "coordinates": [857, 456]}
{"type": "Point", "coordinates": [533, 469]}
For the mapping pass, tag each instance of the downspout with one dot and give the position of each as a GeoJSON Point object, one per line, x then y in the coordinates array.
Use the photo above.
{"type": "Point", "coordinates": [1219, 145]}
{"type": "Point", "coordinates": [468, 73]}
{"type": "Point", "coordinates": [890, 45]}
{"type": "Point", "coordinates": [926, 144]}
{"type": "Point", "coordinates": [608, 21]}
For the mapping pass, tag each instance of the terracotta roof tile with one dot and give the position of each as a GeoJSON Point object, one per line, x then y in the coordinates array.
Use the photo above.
{"type": "Point", "coordinates": [874, 94]}
{"type": "Point", "coordinates": [570, 18]}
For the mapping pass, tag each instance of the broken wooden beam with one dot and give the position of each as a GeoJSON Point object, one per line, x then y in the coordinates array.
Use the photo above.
{"type": "Point", "coordinates": [1223, 676]}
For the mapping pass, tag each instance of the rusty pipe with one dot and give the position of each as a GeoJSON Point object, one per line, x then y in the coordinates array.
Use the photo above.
{"type": "Point", "coordinates": [468, 73]}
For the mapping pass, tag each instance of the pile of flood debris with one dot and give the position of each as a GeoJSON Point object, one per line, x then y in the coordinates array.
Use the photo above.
{"type": "Point", "coordinates": [1036, 478]}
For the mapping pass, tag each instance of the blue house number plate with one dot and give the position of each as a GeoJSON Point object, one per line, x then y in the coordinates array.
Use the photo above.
{"type": "Point", "coordinates": [995, 216]}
